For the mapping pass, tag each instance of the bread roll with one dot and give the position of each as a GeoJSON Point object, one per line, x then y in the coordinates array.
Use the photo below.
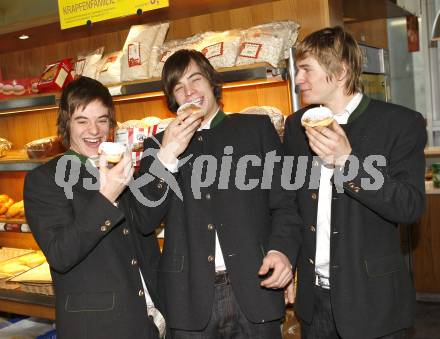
{"type": "Point", "coordinates": [5, 206]}
{"type": "Point", "coordinates": [13, 268]}
{"type": "Point", "coordinates": [15, 209]}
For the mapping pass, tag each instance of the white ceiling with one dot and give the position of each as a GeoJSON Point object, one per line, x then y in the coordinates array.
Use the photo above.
{"type": "Point", "coordinates": [16, 15]}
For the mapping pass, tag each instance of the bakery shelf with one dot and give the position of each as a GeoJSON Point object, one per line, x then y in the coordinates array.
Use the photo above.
{"type": "Point", "coordinates": [13, 220]}
{"type": "Point", "coordinates": [247, 75]}
{"type": "Point", "coordinates": [17, 160]}
{"type": "Point", "coordinates": [240, 75]}
{"type": "Point", "coordinates": [28, 103]}
{"type": "Point", "coordinates": [432, 152]}
{"type": "Point", "coordinates": [19, 302]}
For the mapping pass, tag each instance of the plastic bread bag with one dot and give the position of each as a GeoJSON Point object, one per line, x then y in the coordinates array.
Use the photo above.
{"type": "Point", "coordinates": [87, 64]}
{"type": "Point", "coordinates": [267, 43]}
{"type": "Point", "coordinates": [136, 58]}
{"type": "Point", "coordinates": [109, 69]}
{"type": "Point", "coordinates": [156, 48]}
{"type": "Point", "coordinates": [172, 46]}
{"type": "Point", "coordinates": [220, 48]}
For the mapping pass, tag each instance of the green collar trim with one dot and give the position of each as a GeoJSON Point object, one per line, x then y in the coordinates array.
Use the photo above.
{"type": "Point", "coordinates": [217, 119]}
{"type": "Point", "coordinates": [365, 101]}
{"type": "Point", "coordinates": [81, 157]}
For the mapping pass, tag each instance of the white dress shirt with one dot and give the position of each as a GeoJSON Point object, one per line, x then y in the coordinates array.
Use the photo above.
{"type": "Point", "coordinates": [148, 299]}
{"type": "Point", "coordinates": [322, 255]}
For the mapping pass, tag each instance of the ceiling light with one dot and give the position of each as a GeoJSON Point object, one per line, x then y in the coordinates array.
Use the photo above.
{"type": "Point", "coordinates": [23, 37]}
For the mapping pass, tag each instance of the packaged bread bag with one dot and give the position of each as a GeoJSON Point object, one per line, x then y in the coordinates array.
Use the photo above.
{"type": "Point", "coordinates": [136, 60]}
{"type": "Point", "coordinates": [87, 64]}
{"type": "Point", "coordinates": [220, 48]}
{"type": "Point", "coordinates": [109, 68]}
{"type": "Point", "coordinates": [267, 43]}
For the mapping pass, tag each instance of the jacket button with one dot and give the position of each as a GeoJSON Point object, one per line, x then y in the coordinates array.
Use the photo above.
{"type": "Point", "coordinates": [107, 223]}
{"type": "Point", "coordinates": [315, 163]}
{"type": "Point", "coordinates": [351, 184]}
{"type": "Point", "coordinates": [356, 189]}
{"type": "Point", "coordinates": [141, 293]}
{"type": "Point", "coordinates": [159, 186]}
{"type": "Point", "coordinates": [134, 262]}
{"type": "Point", "coordinates": [200, 138]}
{"type": "Point", "coordinates": [210, 258]}
{"type": "Point", "coordinates": [210, 227]}
{"type": "Point", "coordinates": [311, 261]}
{"type": "Point", "coordinates": [125, 231]}
{"type": "Point", "coordinates": [314, 196]}
{"type": "Point", "coordinates": [208, 196]}
{"type": "Point", "coordinates": [104, 228]}
{"type": "Point", "coordinates": [312, 228]}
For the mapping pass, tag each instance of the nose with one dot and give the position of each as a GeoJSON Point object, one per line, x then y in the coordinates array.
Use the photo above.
{"type": "Point", "coordinates": [188, 90]}
{"type": "Point", "coordinates": [299, 78]}
{"type": "Point", "coordinates": [93, 128]}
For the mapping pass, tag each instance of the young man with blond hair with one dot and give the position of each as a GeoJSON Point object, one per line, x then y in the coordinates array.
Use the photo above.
{"type": "Point", "coordinates": [365, 175]}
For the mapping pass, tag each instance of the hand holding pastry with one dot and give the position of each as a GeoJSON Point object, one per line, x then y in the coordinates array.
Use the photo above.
{"type": "Point", "coordinates": [114, 180]}
{"type": "Point", "coordinates": [178, 135]}
{"type": "Point", "coordinates": [329, 143]}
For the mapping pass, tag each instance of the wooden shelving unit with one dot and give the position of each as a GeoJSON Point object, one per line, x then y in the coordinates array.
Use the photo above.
{"type": "Point", "coordinates": [17, 160]}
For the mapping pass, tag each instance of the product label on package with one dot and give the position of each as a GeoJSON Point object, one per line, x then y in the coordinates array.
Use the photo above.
{"type": "Point", "coordinates": [61, 77]}
{"type": "Point", "coordinates": [111, 59]}
{"type": "Point", "coordinates": [213, 50]}
{"type": "Point", "coordinates": [79, 66]}
{"type": "Point", "coordinates": [250, 50]}
{"type": "Point", "coordinates": [134, 54]}
{"type": "Point", "coordinates": [165, 55]}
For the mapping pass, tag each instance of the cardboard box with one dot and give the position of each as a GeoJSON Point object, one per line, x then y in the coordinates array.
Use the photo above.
{"type": "Point", "coordinates": [56, 76]}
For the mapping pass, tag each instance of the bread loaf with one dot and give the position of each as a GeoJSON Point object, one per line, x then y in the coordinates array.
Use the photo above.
{"type": "Point", "coordinates": [4, 207]}
{"type": "Point", "coordinates": [15, 210]}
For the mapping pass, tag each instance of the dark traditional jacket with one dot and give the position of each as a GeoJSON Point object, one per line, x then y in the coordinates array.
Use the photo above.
{"type": "Point", "coordinates": [95, 252]}
{"type": "Point", "coordinates": [371, 290]}
{"type": "Point", "coordinates": [249, 222]}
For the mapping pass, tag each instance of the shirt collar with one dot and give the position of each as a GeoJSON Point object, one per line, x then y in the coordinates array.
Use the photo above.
{"type": "Point", "coordinates": [81, 158]}
{"type": "Point", "coordinates": [342, 118]}
{"type": "Point", "coordinates": [207, 125]}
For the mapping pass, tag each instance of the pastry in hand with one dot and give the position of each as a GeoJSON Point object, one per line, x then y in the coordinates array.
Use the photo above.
{"type": "Point", "coordinates": [317, 116]}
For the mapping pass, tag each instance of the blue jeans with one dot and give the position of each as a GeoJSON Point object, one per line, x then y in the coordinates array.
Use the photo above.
{"type": "Point", "coordinates": [228, 321]}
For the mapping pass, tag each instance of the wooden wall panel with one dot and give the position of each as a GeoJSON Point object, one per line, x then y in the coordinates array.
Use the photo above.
{"type": "Point", "coordinates": [11, 183]}
{"type": "Point", "coordinates": [371, 32]}
{"type": "Point", "coordinates": [142, 108]}
{"type": "Point", "coordinates": [277, 95]}
{"type": "Point", "coordinates": [21, 128]}
{"type": "Point", "coordinates": [18, 240]}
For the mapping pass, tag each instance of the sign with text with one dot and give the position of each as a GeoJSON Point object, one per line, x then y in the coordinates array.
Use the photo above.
{"type": "Point", "coordinates": [78, 12]}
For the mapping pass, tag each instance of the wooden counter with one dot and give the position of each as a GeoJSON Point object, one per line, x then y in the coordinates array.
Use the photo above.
{"type": "Point", "coordinates": [425, 239]}
{"type": "Point", "coordinates": [35, 305]}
